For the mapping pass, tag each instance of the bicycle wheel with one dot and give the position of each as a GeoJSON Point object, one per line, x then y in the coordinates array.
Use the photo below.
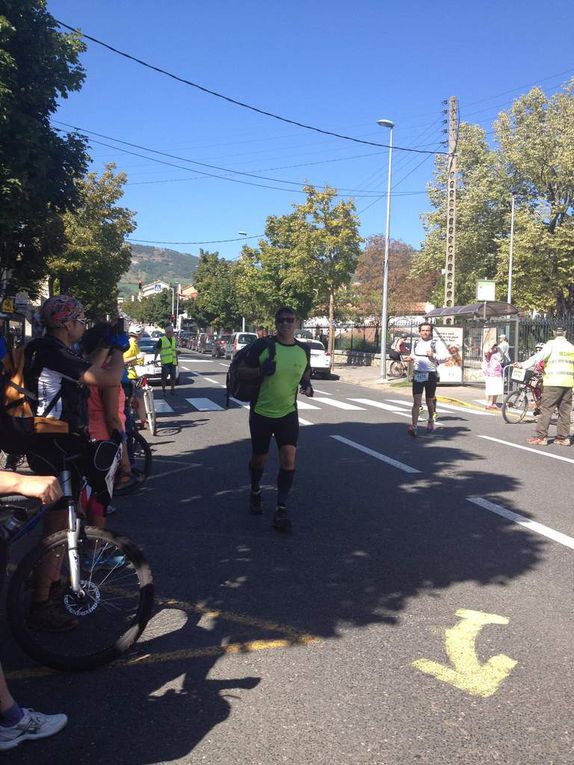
{"type": "Point", "coordinates": [142, 462]}
{"type": "Point", "coordinates": [150, 410]}
{"type": "Point", "coordinates": [515, 406]}
{"type": "Point", "coordinates": [396, 369]}
{"type": "Point", "coordinates": [104, 621]}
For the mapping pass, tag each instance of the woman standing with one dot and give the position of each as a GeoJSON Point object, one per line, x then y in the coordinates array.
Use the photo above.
{"type": "Point", "coordinates": [492, 367]}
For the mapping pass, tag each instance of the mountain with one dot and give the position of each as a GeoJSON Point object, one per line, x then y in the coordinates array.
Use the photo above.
{"type": "Point", "coordinates": [151, 263]}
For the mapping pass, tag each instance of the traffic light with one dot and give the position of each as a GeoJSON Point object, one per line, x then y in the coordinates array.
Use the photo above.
{"type": "Point", "coordinates": [140, 285]}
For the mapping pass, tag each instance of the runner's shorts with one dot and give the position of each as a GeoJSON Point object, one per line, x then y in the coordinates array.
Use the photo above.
{"type": "Point", "coordinates": [429, 386]}
{"type": "Point", "coordinates": [285, 429]}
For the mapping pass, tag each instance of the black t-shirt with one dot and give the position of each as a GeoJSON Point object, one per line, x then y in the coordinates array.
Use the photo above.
{"type": "Point", "coordinates": [52, 371]}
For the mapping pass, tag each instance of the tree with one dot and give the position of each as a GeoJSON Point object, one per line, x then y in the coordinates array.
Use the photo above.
{"type": "Point", "coordinates": [405, 290]}
{"type": "Point", "coordinates": [38, 166]}
{"type": "Point", "coordinates": [154, 310]}
{"type": "Point", "coordinates": [95, 254]}
{"type": "Point", "coordinates": [307, 257]}
{"type": "Point", "coordinates": [216, 302]}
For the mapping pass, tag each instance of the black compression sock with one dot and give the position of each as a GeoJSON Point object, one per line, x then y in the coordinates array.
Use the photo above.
{"type": "Point", "coordinates": [256, 476]}
{"type": "Point", "coordinates": [284, 483]}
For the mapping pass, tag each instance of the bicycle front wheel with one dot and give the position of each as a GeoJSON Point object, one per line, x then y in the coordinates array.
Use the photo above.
{"type": "Point", "coordinates": [515, 406]}
{"type": "Point", "coordinates": [80, 631]}
{"type": "Point", "coordinates": [396, 369]}
{"type": "Point", "coordinates": [150, 410]}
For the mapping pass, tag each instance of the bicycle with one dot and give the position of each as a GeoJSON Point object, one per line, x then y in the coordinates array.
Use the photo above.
{"type": "Point", "coordinates": [140, 459]}
{"type": "Point", "coordinates": [528, 395]}
{"type": "Point", "coordinates": [398, 368]}
{"type": "Point", "coordinates": [142, 384]}
{"type": "Point", "coordinates": [102, 581]}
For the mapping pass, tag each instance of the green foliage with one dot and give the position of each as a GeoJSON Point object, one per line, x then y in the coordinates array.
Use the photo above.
{"type": "Point", "coordinates": [38, 166]}
{"type": "Point", "coordinates": [95, 254]}
{"type": "Point", "coordinates": [155, 310]}
{"type": "Point", "coordinates": [216, 303]}
{"type": "Point", "coordinates": [534, 160]}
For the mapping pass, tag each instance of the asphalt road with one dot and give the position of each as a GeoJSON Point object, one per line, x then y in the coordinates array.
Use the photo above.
{"type": "Point", "coordinates": [420, 612]}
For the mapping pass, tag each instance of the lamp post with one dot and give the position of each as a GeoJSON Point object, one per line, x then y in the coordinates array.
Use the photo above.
{"type": "Point", "coordinates": [511, 250]}
{"type": "Point", "coordinates": [242, 233]}
{"type": "Point", "coordinates": [384, 314]}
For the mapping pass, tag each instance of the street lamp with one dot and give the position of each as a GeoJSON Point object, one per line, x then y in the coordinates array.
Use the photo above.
{"type": "Point", "coordinates": [511, 249]}
{"type": "Point", "coordinates": [384, 315]}
{"type": "Point", "coordinates": [242, 233]}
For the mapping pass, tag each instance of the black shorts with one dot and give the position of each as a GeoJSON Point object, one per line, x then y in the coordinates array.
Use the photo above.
{"type": "Point", "coordinates": [167, 370]}
{"type": "Point", "coordinates": [429, 386]}
{"type": "Point", "coordinates": [285, 429]}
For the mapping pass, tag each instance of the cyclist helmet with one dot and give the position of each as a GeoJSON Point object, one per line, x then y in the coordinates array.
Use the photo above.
{"type": "Point", "coordinates": [135, 329]}
{"type": "Point", "coordinates": [59, 310]}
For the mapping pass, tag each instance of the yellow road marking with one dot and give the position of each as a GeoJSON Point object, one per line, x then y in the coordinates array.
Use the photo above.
{"type": "Point", "coordinates": [293, 638]}
{"type": "Point", "coordinates": [468, 674]}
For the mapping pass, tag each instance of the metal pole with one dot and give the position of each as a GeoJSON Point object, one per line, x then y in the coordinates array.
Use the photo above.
{"type": "Point", "coordinates": [510, 253]}
{"type": "Point", "coordinates": [384, 314]}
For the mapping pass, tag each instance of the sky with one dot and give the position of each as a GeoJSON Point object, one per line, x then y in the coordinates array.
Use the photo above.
{"type": "Point", "coordinates": [333, 65]}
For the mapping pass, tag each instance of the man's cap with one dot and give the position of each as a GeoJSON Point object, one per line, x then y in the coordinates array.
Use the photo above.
{"type": "Point", "coordinates": [58, 310]}
{"type": "Point", "coordinates": [559, 331]}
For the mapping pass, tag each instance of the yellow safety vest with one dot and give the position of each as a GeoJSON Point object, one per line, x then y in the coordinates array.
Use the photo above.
{"type": "Point", "coordinates": [167, 352]}
{"type": "Point", "coordinates": [559, 366]}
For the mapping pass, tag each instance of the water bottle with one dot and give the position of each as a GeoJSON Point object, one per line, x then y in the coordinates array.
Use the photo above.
{"type": "Point", "coordinates": [14, 522]}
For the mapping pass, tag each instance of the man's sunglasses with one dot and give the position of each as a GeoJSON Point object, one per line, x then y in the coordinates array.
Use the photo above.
{"type": "Point", "coordinates": [288, 319]}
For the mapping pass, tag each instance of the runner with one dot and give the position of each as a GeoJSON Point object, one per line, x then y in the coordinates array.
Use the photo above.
{"type": "Point", "coordinates": [425, 376]}
{"type": "Point", "coordinates": [275, 411]}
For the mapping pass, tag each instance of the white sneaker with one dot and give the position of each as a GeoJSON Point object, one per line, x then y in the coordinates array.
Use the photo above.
{"type": "Point", "coordinates": [33, 725]}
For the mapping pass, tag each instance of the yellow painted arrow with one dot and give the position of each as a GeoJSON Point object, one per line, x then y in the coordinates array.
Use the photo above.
{"type": "Point", "coordinates": [467, 673]}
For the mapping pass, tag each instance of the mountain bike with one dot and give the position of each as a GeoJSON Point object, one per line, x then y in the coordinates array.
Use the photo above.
{"type": "Point", "coordinates": [147, 390]}
{"type": "Point", "coordinates": [98, 581]}
{"type": "Point", "coordinates": [140, 460]}
{"type": "Point", "coordinates": [526, 398]}
{"type": "Point", "coordinates": [398, 368]}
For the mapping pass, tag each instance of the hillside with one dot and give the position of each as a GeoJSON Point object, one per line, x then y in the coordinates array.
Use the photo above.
{"type": "Point", "coordinates": [151, 263]}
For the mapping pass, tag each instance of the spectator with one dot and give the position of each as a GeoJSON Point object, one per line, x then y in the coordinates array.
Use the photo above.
{"type": "Point", "coordinates": [504, 349]}
{"type": "Point", "coordinates": [492, 366]}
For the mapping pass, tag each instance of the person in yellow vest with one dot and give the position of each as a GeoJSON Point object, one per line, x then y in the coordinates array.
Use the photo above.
{"type": "Point", "coordinates": [168, 358]}
{"type": "Point", "coordinates": [133, 357]}
{"type": "Point", "coordinates": [558, 379]}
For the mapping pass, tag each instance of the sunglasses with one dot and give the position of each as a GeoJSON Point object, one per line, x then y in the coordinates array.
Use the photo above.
{"type": "Point", "coordinates": [282, 319]}
{"type": "Point", "coordinates": [82, 321]}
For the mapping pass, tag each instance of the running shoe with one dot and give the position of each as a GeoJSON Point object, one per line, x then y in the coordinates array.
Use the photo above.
{"type": "Point", "coordinates": [281, 520]}
{"type": "Point", "coordinates": [537, 441]}
{"type": "Point", "coordinates": [255, 504]}
{"type": "Point", "coordinates": [32, 725]}
{"type": "Point", "coordinates": [562, 442]}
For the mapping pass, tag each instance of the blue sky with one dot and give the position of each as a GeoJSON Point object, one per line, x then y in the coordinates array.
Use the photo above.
{"type": "Point", "coordinates": [336, 65]}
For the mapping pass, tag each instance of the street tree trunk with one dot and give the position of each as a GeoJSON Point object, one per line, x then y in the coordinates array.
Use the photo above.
{"type": "Point", "coordinates": [331, 348]}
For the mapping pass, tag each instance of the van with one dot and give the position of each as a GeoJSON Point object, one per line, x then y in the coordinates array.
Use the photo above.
{"type": "Point", "coordinates": [238, 341]}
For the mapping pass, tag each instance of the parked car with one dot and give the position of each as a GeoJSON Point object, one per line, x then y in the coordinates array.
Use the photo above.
{"type": "Point", "coordinates": [320, 359]}
{"type": "Point", "coordinates": [204, 343]}
{"type": "Point", "coordinates": [220, 345]}
{"type": "Point", "coordinates": [183, 338]}
{"type": "Point", "coordinates": [238, 341]}
{"type": "Point", "coordinates": [148, 368]}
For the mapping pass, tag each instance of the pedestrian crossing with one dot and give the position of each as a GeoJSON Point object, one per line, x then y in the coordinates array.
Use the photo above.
{"type": "Point", "coordinates": [400, 407]}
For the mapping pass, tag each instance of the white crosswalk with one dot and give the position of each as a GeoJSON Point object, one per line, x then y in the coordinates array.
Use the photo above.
{"type": "Point", "coordinates": [162, 407]}
{"type": "Point", "coordinates": [337, 404]}
{"type": "Point", "coordinates": [204, 405]}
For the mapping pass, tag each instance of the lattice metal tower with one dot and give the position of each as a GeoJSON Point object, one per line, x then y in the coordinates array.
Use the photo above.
{"type": "Point", "coordinates": [450, 263]}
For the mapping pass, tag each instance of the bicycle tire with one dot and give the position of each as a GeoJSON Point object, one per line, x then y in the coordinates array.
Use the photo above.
{"type": "Point", "coordinates": [150, 411]}
{"type": "Point", "coordinates": [102, 632]}
{"type": "Point", "coordinates": [396, 369]}
{"type": "Point", "coordinates": [515, 406]}
{"type": "Point", "coordinates": [142, 454]}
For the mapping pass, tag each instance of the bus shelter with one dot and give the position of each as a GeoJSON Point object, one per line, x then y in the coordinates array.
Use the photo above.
{"type": "Point", "coordinates": [475, 328]}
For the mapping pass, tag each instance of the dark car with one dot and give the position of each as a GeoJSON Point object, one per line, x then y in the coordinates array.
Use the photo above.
{"type": "Point", "coordinates": [219, 346]}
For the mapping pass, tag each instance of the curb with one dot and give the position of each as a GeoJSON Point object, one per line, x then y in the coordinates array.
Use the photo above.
{"type": "Point", "coordinates": [459, 402]}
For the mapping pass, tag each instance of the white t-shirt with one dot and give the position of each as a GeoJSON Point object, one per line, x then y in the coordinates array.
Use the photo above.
{"type": "Point", "coordinates": [422, 362]}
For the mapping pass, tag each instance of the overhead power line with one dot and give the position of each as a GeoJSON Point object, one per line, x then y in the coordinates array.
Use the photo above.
{"type": "Point", "coordinates": [235, 101]}
{"type": "Point", "coordinates": [213, 241]}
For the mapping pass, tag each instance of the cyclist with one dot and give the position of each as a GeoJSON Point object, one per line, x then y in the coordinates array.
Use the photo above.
{"type": "Point", "coordinates": [58, 379]}
{"type": "Point", "coordinates": [166, 347]}
{"type": "Point", "coordinates": [133, 357]}
{"type": "Point", "coordinates": [275, 411]}
{"type": "Point", "coordinates": [18, 724]}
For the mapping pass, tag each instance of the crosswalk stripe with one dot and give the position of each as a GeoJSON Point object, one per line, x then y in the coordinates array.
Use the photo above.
{"type": "Point", "coordinates": [380, 405]}
{"type": "Point", "coordinates": [162, 407]}
{"type": "Point", "coordinates": [322, 392]}
{"type": "Point", "coordinates": [377, 455]}
{"type": "Point", "coordinates": [445, 408]}
{"type": "Point", "coordinates": [204, 404]}
{"type": "Point", "coordinates": [304, 422]}
{"type": "Point", "coordinates": [408, 405]}
{"type": "Point", "coordinates": [211, 380]}
{"type": "Point", "coordinates": [306, 405]}
{"type": "Point", "coordinates": [241, 403]}
{"type": "Point", "coordinates": [339, 404]}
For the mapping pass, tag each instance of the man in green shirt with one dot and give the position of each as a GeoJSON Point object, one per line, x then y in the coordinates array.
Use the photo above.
{"type": "Point", "coordinates": [274, 413]}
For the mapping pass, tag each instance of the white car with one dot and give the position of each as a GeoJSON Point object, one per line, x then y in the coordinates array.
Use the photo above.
{"type": "Point", "coordinates": [148, 368]}
{"type": "Point", "coordinates": [237, 341]}
{"type": "Point", "coordinates": [320, 359]}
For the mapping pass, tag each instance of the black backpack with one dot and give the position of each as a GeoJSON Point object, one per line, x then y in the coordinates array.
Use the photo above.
{"type": "Point", "coordinates": [246, 390]}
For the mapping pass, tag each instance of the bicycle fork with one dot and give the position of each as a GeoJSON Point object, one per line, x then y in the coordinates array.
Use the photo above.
{"type": "Point", "coordinates": [73, 533]}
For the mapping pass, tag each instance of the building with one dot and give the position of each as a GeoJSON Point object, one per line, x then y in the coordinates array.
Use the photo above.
{"type": "Point", "coordinates": [188, 293]}
{"type": "Point", "coordinates": [154, 288]}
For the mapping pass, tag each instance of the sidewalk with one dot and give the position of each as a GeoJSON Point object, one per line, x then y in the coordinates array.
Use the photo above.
{"type": "Point", "coordinates": [369, 377]}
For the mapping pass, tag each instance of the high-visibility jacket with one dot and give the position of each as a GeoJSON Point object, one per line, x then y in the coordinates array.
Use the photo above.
{"type": "Point", "coordinates": [167, 354]}
{"type": "Point", "coordinates": [558, 363]}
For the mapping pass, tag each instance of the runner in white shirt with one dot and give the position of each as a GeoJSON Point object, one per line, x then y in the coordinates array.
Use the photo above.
{"type": "Point", "coordinates": [426, 356]}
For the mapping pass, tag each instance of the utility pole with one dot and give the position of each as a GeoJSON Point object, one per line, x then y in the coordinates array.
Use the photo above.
{"type": "Point", "coordinates": [449, 271]}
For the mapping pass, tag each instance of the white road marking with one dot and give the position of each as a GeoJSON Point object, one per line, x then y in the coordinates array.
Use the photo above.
{"type": "Point", "coordinates": [162, 407]}
{"type": "Point", "coordinates": [377, 455]}
{"type": "Point", "coordinates": [380, 405]}
{"type": "Point", "coordinates": [306, 405]}
{"type": "Point", "coordinates": [538, 452]}
{"type": "Point", "coordinates": [443, 408]}
{"type": "Point", "coordinates": [204, 404]}
{"type": "Point", "coordinates": [237, 401]}
{"type": "Point", "coordinates": [322, 392]}
{"type": "Point", "coordinates": [211, 380]}
{"type": "Point", "coordinates": [171, 472]}
{"type": "Point", "coordinates": [546, 531]}
{"type": "Point", "coordinates": [304, 422]}
{"type": "Point", "coordinates": [221, 364]}
{"type": "Point", "coordinates": [339, 404]}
